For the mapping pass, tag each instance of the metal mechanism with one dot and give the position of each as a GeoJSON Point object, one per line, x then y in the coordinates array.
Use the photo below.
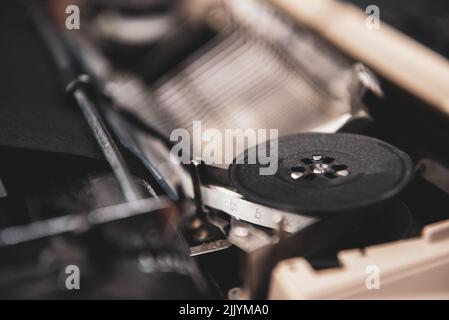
{"type": "Point", "coordinates": [76, 84]}
{"type": "Point", "coordinates": [318, 165]}
{"type": "Point", "coordinates": [208, 233]}
{"type": "Point", "coordinates": [342, 191]}
{"type": "Point", "coordinates": [245, 70]}
{"type": "Point", "coordinates": [107, 144]}
{"type": "Point", "coordinates": [79, 222]}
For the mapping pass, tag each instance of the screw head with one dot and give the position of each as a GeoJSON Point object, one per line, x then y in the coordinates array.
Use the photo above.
{"type": "Point", "coordinates": [320, 168]}
{"type": "Point", "coordinates": [241, 232]}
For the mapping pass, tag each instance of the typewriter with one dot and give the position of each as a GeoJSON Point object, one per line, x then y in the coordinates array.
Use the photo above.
{"type": "Point", "coordinates": [224, 149]}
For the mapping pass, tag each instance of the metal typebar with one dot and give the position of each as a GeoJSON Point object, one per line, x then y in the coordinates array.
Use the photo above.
{"type": "Point", "coordinates": [75, 85]}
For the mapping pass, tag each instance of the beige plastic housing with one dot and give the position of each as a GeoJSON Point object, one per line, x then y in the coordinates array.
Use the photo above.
{"type": "Point", "coordinates": [385, 50]}
{"type": "Point", "coordinates": [413, 269]}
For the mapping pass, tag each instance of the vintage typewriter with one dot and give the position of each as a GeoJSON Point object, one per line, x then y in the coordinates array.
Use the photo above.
{"type": "Point", "coordinates": [224, 149]}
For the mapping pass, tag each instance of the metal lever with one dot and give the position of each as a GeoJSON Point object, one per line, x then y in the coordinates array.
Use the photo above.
{"type": "Point", "coordinates": [196, 181]}
{"type": "Point", "coordinates": [76, 84]}
{"type": "Point", "coordinates": [107, 145]}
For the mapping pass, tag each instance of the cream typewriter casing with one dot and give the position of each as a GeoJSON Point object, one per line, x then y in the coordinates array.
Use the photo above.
{"type": "Point", "coordinates": [412, 269]}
